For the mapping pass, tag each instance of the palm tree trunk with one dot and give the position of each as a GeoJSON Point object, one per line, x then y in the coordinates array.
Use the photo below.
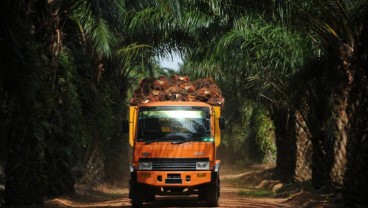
{"type": "Point", "coordinates": [285, 144]}
{"type": "Point", "coordinates": [338, 168]}
{"type": "Point", "coordinates": [321, 161]}
{"type": "Point", "coordinates": [303, 169]}
{"type": "Point", "coordinates": [356, 181]}
{"type": "Point", "coordinates": [94, 171]}
{"type": "Point", "coordinates": [342, 138]}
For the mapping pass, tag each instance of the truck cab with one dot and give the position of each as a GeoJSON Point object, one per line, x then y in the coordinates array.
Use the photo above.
{"type": "Point", "coordinates": [174, 150]}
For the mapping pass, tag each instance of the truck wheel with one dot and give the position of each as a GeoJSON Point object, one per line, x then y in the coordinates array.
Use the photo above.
{"type": "Point", "coordinates": [151, 198]}
{"type": "Point", "coordinates": [202, 193]}
{"type": "Point", "coordinates": [150, 194]}
{"type": "Point", "coordinates": [212, 194]}
{"type": "Point", "coordinates": [136, 195]}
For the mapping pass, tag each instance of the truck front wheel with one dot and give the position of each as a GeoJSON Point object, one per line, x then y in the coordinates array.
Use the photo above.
{"type": "Point", "coordinates": [149, 194]}
{"type": "Point", "coordinates": [213, 190]}
{"type": "Point", "coordinates": [136, 195]}
{"type": "Point", "coordinates": [202, 193]}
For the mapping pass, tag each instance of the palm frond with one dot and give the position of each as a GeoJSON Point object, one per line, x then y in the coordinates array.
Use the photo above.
{"type": "Point", "coordinates": [153, 17]}
{"type": "Point", "coordinates": [359, 18]}
{"type": "Point", "coordinates": [271, 47]}
{"type": "Point", "coordinates": [103, 38]}
{"type": "Point", "coordinates": [13, 31]}
{"type": "Point", "coordinates": [132, 51]}
{"type": "Point", "coordinates": [132, 56]}
{"type": "Point", "coordinates": [332, 24]}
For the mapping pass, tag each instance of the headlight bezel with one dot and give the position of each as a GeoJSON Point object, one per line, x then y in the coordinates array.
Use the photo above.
{"type": "Point", "coordinates": [145, 166]}
{"type": "Point", "coordinates": [202, 165]}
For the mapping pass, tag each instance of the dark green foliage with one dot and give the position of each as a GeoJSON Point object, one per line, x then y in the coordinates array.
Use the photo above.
{"type": "Point", "coordinates": [25, 159]}
{"type": "Point", "coordinates": [249, 138]}
{"type": "Point", "coordinates": [62, 138]}
{"type": "Point", "coordinates": [51, 109]}
{"type": "Point", "coordinates": [25, 171]}
{"type": "Point", "coordinates": [260, 145]}
{"type": "Point", "coordinates": [22, 101]}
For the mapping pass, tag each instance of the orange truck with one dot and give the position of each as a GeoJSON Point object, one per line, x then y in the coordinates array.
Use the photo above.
{"type": "Point", "coordinates": [174, 150]}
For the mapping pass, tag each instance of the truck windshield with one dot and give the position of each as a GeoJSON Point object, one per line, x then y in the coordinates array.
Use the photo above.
{"type": "Point", "coordinates": [174, 124]}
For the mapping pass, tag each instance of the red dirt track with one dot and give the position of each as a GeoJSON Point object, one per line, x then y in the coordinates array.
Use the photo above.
{"type": "Point", "coordinates": [119, 198]}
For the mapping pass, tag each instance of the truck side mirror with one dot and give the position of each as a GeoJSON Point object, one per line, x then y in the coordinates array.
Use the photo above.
{"type": "Point", "coordinates": [125, 126]}
{"type": "Point", "coordinates": [222, 123]}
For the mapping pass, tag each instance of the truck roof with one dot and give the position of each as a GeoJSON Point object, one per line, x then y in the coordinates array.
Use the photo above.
{"type": "Point", "coordinates": [174, 103]}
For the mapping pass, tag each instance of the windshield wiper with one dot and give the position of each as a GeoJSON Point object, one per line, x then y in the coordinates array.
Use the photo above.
{"type": "Point", "coordinates": [195, 137]}
{"type": "Point", "coordinates": [164, 138]}
{"type": "Point", "coordinates": [156, 140]}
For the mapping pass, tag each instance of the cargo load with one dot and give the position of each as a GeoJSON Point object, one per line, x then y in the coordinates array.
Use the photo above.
{"type": "Point", "coordinates": [177, 88]}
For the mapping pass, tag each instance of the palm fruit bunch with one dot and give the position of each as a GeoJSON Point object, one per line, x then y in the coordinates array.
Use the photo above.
{"type": "Point", "coordinates": [177, 88]}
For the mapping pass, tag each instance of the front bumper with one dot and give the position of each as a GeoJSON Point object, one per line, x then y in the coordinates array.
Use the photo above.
{"type": "Point", "coordinates": [174, 178]}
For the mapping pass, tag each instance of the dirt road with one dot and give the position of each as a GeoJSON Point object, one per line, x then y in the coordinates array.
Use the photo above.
{"type": "Point", "coordinates": [108, 197]}
{"type": "Point", "coordinates": [229, 198]}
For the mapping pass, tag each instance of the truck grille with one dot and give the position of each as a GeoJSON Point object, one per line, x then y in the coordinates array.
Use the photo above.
{"type": "Point", "coordinates": [173, 163]}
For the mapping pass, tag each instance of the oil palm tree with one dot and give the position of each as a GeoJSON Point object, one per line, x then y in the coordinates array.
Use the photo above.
{"type": "Point", "coordinates": [32, 37]}
{"type": "Point", "coordinates": [312, 96]}
{"type": "Point", "coordinates": [112, 46]}
{"type": "Point", "coordinates": [355, 181]}
{"type": "Point", "coordinates": [339, 35]}
{"type": "Point", "coordinates": [244, 41]}
{"type": "Point", "coordinates": [22, 78]}
{"type": "Point", "coordinates": [270, 55]}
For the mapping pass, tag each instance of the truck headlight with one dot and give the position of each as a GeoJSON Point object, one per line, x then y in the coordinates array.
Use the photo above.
{"type": "Point", "coordinates": [145, 165]}
{"type": "Point", "coordinates": [202, 165]}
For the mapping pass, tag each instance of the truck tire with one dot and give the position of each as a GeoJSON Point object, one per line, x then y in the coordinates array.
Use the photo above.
{"type": "Point", "coordinates": [136, 195]}
{"type": "Point", "coordinates": [202, 193]}
{"type": "Point", "coordinates": [149, 194]}
{"type": "Point", "coordinates": [213, 194]}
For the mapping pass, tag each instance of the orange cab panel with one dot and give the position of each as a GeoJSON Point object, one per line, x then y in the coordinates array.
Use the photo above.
{"type": "Point", "coordinates": [169, 150]}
